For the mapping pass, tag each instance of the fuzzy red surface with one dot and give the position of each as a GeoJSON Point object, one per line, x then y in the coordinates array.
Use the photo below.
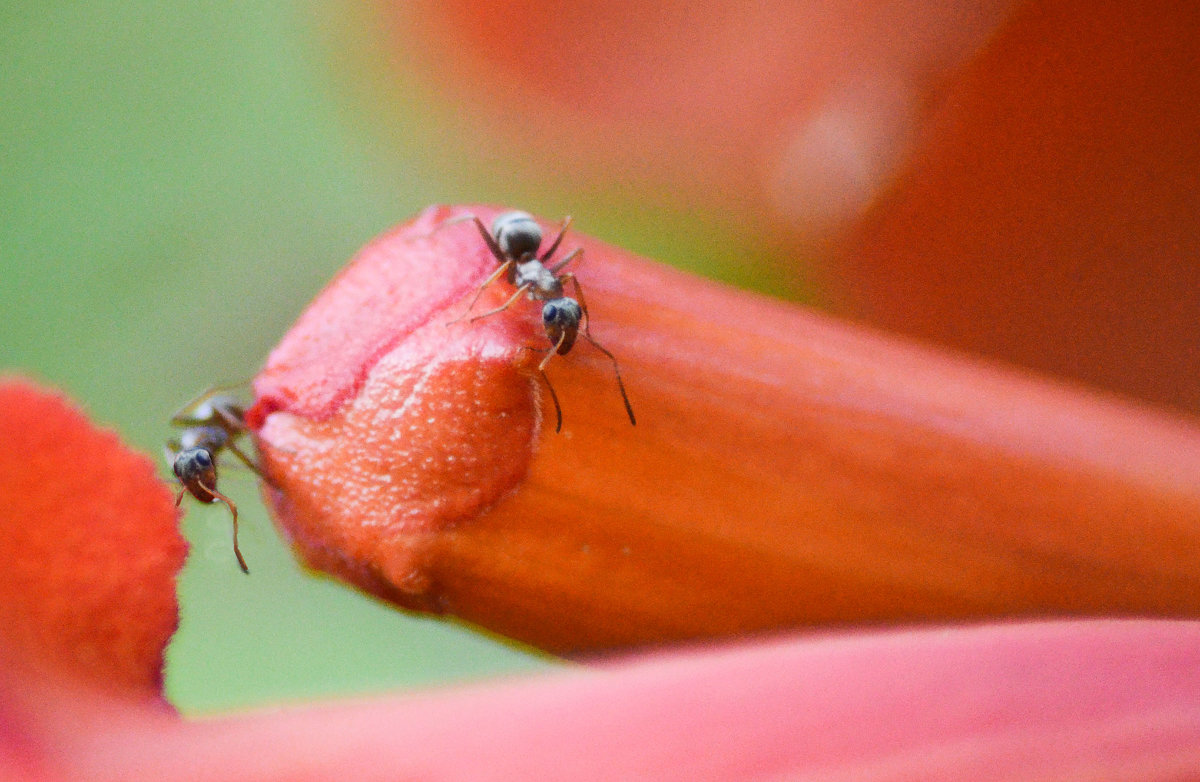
{"type": "Point", "coordinates": [90, 545]}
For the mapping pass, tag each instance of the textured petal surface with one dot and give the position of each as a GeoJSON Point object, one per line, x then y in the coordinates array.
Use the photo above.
{"type": "Point", "coordinates": [787, 470]}
{"type": "Point", "coordinates": [381, 421]}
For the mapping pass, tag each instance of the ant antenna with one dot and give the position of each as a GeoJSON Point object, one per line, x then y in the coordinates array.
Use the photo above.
{"type": "Point", "coordinates": [587, 332]}
{"type": "Point", "coordinates": [617, 372]}
{"type": "Point", "coordinates": [549, 385]}
{"type": "Point", "coordinates": [237, 551]}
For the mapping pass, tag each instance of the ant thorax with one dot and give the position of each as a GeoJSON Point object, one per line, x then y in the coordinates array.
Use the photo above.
{"type": "Point", "coordinates": [543, 284]}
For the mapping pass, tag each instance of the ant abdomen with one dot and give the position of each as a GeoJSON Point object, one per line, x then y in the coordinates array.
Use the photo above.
{"type": "Point", "coordinates": [517, 234]}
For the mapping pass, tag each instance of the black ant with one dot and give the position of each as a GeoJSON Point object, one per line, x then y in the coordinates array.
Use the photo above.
{"type": "Point", "coordinates": [514, 241]}
{"type": "Point", "coordinates": [211, 422]}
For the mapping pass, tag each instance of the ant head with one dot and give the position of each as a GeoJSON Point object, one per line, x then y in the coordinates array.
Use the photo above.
{"type": "Point", "coordinates": [517, 234]}
{"type": "Point", "coordinates": [561, 318]}
{"type": "Point", "coordinates": [197, 471]}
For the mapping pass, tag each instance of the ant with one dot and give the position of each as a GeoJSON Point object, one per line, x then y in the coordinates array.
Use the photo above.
{"type": "Point", "coordinates": [514, 241]}
{"type": "Point", "coordinates": [211, 422]}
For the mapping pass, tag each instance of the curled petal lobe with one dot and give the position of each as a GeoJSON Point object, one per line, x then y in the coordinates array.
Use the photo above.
{"type": "Point", "coordinates": [383, 421]}
{"type": "Point", "coordinates": [395, 285]}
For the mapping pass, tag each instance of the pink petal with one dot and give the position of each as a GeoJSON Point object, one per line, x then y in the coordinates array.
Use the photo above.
{"type": "Point", "coordinates": [1079, 700]}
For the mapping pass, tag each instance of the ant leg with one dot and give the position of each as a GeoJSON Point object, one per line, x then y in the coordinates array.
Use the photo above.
{"type": "Point", "coordinates": [570, 277]}
{"type": "Point", "coordinates": [237, 552]}
{"type": "Point", "coordinates": [246, 460]}
{"type": "Point", "coordinates": [587, 333]}
{"type": "Point", "coordinates": [617, 371]}
{"type": "Point", "coordinates": [557, 240]}
{"type": "Point", "coordinates": [479, 291]}
{"type": "Point", "coordinates": [185, 416]}
{"type": "Point", "coordinates": [483, 231]}
{"type": "Point", "coordinates": [570, 257]}
{"type": "Point", "coordinates": [503, 306]}
{"type": "Point", "coordinates": [233, 423]}
{"type": "Point", "coordinates": [487, 237]}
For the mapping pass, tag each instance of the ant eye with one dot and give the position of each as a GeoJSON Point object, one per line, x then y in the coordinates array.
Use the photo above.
{"type": "Point", "coordinates": [203, 458]}
{"type": "Point", "coordinates": [549, 313]}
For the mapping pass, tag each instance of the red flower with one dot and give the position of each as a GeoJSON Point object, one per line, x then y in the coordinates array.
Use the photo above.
{"type": "Point", "coordinates": [787, 470]}
{"type": "Point", "coordinates": [969, 172]}
{"type": "Point", "coordinates": [90, 547]}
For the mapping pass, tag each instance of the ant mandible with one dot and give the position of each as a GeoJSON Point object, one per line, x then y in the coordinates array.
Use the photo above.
{"type": "Point", "coordinates": [514, 241]}
{"type": "Point", "coordinates": [211, 423]}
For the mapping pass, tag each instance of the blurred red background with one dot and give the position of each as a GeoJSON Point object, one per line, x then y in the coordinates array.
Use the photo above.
{"type": "Point", "coordinates": [1017, 180]}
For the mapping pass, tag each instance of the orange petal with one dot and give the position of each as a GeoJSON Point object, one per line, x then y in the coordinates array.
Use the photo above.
{"type": "Point", "coordinates": [90, 545]}
{"type": "Point", "coordinates": [1049, 213]}
{"type": "Point", "coordinates": [629, 102]}
{"type": "Point", "coordinates": [1023, 198]}
{"type": "Point", "coordinates": [786, 470]}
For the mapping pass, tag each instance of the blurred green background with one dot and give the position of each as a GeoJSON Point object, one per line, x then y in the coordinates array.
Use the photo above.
{"type": "Point", "coordinates": [177, 181]}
